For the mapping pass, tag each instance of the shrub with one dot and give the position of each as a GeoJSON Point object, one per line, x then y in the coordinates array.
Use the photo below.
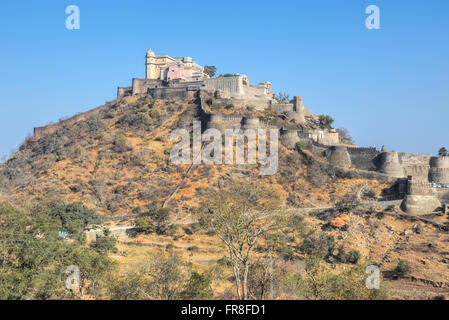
{"type": "Point", "coordinates": [380, 215]}
{"type": "Point", "coordinates": [137, 210]}
{"type": "Point", "coordinates": [325, 122]}
{"type": "Point", "coordinates": [161, 220]}
{"type": "Point", "coordinates": [402, 269]}
{"type": "Point", "coordinates": [370, 194]}
{"type": "Point", "coordinates": [224, 261]}
{"type": "Point", "coordinates": [321, 246]}
{"type": "Point", "coordinates": [300, 145]}
{"type": "Point", "coordinates": [74, 217]}
{"type": "Point", "coordinates": [198, 287]}
{"type": "Point", "coordinates": [353, 256]}
{"type": "Point", "coordinates": [195, 227]}
{"type": "Point", "coordinates": [347, 204]}
{"type": "Point", "coordinates": [120, 144]}
{"type": "Point", "coordinates": [341, 254]}
{"type": "Point", "coordinates": [104, 244]}
{"type": "Point", "coordinates": [145, 225]}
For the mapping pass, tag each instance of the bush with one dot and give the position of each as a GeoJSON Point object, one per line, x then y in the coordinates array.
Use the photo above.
{"type": "Point", "coordinates": [347, 204]}
{"type": "Point", "coordinates": [341, 254]}
{"type": "Point", "coordinates": [370, 194]}
{"type": "Point", "coordinates": [198, 287]}
{"type": "Point", "coordinates": [321, 246]}
{"type": "Point", "coordinates": [74, 217]}
{"type": "Point", "coordinates": [300, 145]}
{"type": "Point", "coordinates": [325, 122]}
{"type": "Point", "coordinates": [353, 256]}
{"type": "Point", "coordinates": [402, 269]}
{"type": "Point", "coordinates": [380, 215]}
{"type": "Point", "coordinates": [161, 220]}
{"type": "Point", "coordinates": [137, 210]}
{"type": "Point", "coordinates": [145, 225]}
{"type": "Point", "coordinates": [120, 144]}
{"type": "Point", "coordinates": [224, 261]}
{"type": "Point", "coordinates": [104, 244]}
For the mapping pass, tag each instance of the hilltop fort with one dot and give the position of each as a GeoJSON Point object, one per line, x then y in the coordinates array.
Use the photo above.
{"type": "Point", "coordinates": [232, 102]}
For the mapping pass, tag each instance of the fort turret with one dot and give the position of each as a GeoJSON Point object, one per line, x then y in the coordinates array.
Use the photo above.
{"type": "Point", "coordinates": [439, 170]}
{"type": "Point", "coordinates": [388, 163]}
{"type": "Point", "coordinates": [298, 112]}
{"type": "Point", "coordinates": [420, 198]}
{"type": "Point", "coordinates": [289, 138]}
{"type": "Point", "coordinates": [338, 156]}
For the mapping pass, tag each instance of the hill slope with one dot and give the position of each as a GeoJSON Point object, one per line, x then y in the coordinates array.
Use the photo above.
{"type": "Point", "coordinates": [118, 163]}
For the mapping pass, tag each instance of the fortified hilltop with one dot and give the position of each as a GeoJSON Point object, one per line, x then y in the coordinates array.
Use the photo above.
{"type": "Point", "coordinates": [232, 102]}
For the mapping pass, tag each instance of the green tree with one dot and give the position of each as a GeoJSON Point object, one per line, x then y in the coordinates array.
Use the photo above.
{"type": "Point", "coordinates": [198, 287]}
{"type": "Point", "coordinates": [325, 121]}
{"type": "Point", "coordinates": [104, 244]}
{"type": "Point", "coordinates": [402, 269]}
{"type": "Point", "coordinates": [33, 261]}
{"type": "Point", "coordinates": [210, 70]}
{"type": "Point", "coordinates": [348, 203]}
{"type": "Point", "coordinates": [282, 97]}
{"type": "Point", "coordinates": [161, 220]}
{"type": "Point", "coordinates": [442, 152]}
{"type": "Point", "coordinates": [74, 217]}
{"type": "Point", "coordinates": [166, 277]}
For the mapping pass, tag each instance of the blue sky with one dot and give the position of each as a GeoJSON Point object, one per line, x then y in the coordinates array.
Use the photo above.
{"type": "Point", "coordinates": [387, 86]}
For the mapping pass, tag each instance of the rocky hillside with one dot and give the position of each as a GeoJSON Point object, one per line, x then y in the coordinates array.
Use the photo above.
{"type": "Point", "coordinates": [117, 163]}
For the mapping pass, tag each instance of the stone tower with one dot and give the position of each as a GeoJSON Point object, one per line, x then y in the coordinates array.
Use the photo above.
{"type": "Point", "coordinates": [338, 156]}
{"type": "Point", "coordinates": [298, 112]}
{"type": "Point", "coordinates": [439, 170]}
{"type": "Point", "coordinates": [420, 198]}
{"type": "Point", "coordinates": [388, 163]}
{"type": "Point", "coordinates": [152, 71]}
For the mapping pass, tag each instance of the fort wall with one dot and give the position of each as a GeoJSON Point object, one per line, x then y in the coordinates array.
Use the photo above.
{"type": "Point", "coordinates": [281, 107]}
{"type": "Point", "coordinates": [362, 158]}
{"type": "Point", "coordinates": [233, 85]}
{"type": "Point", "coordinates": [39, 132]}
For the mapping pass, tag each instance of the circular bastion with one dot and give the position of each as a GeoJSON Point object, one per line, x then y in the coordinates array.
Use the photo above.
{"type": "Point", "coordinates": [388, 163]}
{"type": "Point", "coordinates": [289, 138]}
{"type": "Point", "coordinates": [420, 198]}
{"type": "Point", "coordinates": [251, 123]}
{"type": "Point", "coordinates": [339, 157]}
{"type": "Point", "coordinates": [439, 170]}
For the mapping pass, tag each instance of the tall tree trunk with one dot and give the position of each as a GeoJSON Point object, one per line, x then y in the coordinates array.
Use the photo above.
{"type": "Point", "coordinates": [245, 280]}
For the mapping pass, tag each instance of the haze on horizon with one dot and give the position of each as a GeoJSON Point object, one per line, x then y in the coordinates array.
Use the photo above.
{"type": "Point", "coordinates": [387, 87]}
